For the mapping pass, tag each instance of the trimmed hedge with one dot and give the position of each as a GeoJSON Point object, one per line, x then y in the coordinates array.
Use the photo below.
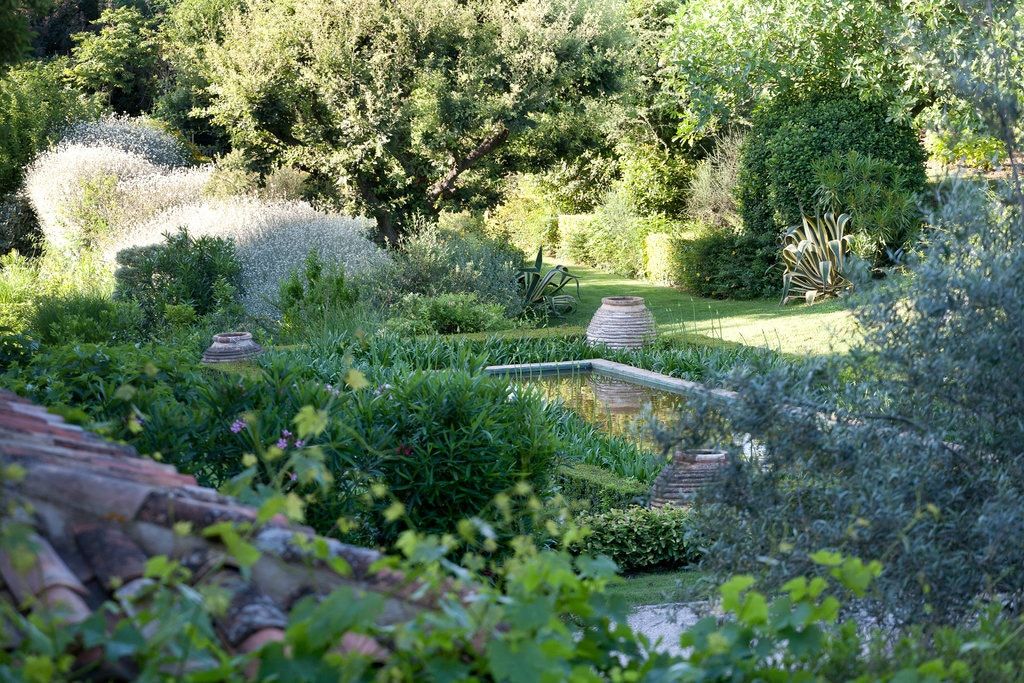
{"type": "Point", "coordinates": [599, 488]}
{"type": "Point", "coordinates": [659, 257]}
{"type": "Point", "coordinates": [640, 538]}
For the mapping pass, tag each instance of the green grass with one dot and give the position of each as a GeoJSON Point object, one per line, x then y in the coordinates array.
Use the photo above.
{"type": "Point", "coordinates": [656, 588]}
{"type": "Point", "coordinates": [796, 328]}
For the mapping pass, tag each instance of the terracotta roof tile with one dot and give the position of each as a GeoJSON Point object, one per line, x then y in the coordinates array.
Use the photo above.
{"type": "Point", "coordinates": [100, 511]}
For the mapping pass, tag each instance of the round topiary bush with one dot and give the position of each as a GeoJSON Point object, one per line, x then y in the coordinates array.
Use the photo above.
{"type": "Point", "coordinates": [777, 181]}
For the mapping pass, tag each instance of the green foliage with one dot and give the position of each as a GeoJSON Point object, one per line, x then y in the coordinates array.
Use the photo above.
{"type": "Point", "coordinates": [15, 29]}
{"type": "Point", "coordinates": [712, 193]}
{"type": "Point", "coordinates": [89, 318]}
{"type": "Point", "coordinates": [432, 262]}
{"type": "Point", "coordinates": [543, 290]}
{"type": "Point", "coordinates": [816, 255]}
{"type": "Point", "coordinates": [19, 226]}
{"type": "Point", "coordinates": [35, 106]}
{"type": "Point", "coordinates": [597, 488]}
{"type": "Point", "coordinates": [641, 538]}
{"type": "Point", "coordinates": [201, 273]}
{"type": "Point", "coordinates": [446, 314]}
{"type": "Point", "coordinates": [922, 445]}
{"type": "Point", "coordinates": [582, 443]}
{"type": "Point", "coordinates": [283, 76]}
{"type": "Point", "coordinates": [612, 238]}
{"type": "Point", "coordinates": [660, 257]}
{"type": "Point", "coordinates": [446, 443]}
{"type": "Point", "coordinates": [119, 62]}
{"type": "Point", "coordinates": [777, 182]}
{"type": "Point", "coordinates": [965, 147]}
{"type": "Point", "coordinates": [654, 179]}
{"type": "Point", "coordinates": [527, 217]}
{"type": "Point", "coordinates": [718, 263]}
{"type": "Point", "coordinates": [316, 293]}
{"type": "Point", "coordinates": [879, 198]}
{"type": "Point", "coordinates": [724, 57]}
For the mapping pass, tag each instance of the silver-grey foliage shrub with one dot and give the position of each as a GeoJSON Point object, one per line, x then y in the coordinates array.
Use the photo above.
{"type": "Point", "coordinates": [915, 454]}
{"type": "Point", "coordinates": [272, 240]}
{"type": "Point", "coordinates": [140, 136]}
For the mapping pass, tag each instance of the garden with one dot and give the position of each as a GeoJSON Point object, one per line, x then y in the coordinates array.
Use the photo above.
{"type": "Point", "coordinates": [357, 265]}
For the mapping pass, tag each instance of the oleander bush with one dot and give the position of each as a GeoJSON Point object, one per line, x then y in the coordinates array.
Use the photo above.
{"type": "Point", "coordinates": [317, 294]}
{"type": "Point", "coordinates": [880, 199]}
{"type": "Point", "coordinates": [201, 274]}
{"type": "Point", "coordinates": [597, 489]}
{"type": "Point", "coordinates": [641, 538]}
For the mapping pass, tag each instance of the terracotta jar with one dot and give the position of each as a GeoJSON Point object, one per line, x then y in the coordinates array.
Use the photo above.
{"type": "Point", "coordinates": [230, 347]}
{"type": "Point", "coordinates": [622, 322]}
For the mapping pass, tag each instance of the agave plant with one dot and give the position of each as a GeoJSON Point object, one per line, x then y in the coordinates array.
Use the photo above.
{"type": "Point", "coordinates": [544, 289]}
{"type": "Point", "coordinates": [815, 254]}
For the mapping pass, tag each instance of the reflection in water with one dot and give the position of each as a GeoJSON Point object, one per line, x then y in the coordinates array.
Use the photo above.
{"type": "Point", "coordinates": [613, 405]}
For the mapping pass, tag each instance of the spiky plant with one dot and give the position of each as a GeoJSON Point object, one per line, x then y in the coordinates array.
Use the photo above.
{"type": "Point", "coordinates": [544, 289]}
{"type": "Point", "coordinates": [815, 254]}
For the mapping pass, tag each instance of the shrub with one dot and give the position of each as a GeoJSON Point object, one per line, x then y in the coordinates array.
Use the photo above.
{"type": "Point", "coordinates": [573, 238]}
{"type": "Point", "coordinates": [432, 262]}
{"type": "Point", "coordinates": [313, 293]}
{"type": "Point", "coordinates": [272, 240]}
{"type": "Point", "coordinates": [119, 61]}
{"type": "Point", "coordinates": [445, 443]}
{"type": "Point", "coordinates": [92, 193]}
{"type": "Point", "coordinates": [878, 197]}
{"type": "Point", "coordinates": [526, 218]}
{"type": "Point", "coordinates": [712, 194]}
{"type": "Point", "coordinates": [19, 227]}
{"type": "Point", "coordinates": [660, 257]}
{"type": "Point", "coordinates": [599, 489]}
{"type": "Point", "coordinates": [86, 318]}
{"type": "Point", "coordinates": [777, 183]}
{"type": "Point", "coordinates": [654, 179]}
{"type": "Point", "coordinates": [446, 314]}
{"type": "Point", "coordinates": [140, 136]}
{"type": "Point", "coordinates": [967, 147]}
{"type": "Point", "coordinates": [35, 106]}
{"type": "Point", "coordinates": [200, 273]}
{"type": "Point", "coordinates": [718, 263]}
{"type": "Point", "coordinates": [641, 538]}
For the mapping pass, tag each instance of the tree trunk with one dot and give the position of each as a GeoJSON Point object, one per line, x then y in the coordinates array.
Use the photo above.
{"type": "Point", "coordinates": [447, 182]}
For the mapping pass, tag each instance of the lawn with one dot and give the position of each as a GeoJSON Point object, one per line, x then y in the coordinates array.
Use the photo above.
{"type": "Point", "coordinates": [796, 328]}
{"type": "Point", "coordinates": [657, 588]}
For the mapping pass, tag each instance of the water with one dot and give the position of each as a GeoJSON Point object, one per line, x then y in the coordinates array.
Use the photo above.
{"type": "Point", "coordinates": [615, 406]}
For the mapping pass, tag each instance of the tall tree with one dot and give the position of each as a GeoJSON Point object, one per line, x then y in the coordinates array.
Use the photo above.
{"type": "Point", "coordinates": [402, 106]}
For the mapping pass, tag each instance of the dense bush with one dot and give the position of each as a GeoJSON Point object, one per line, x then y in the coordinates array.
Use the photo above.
{"type": "Point", "coordinates": [90, 193]}
{"type": "Point", "coordinates": [119, 61]}
{"type": "Point", "coordinates": [777, 183]}
{"type": "Point", "coordinates": [924, 467]}
{"type": "Point", "coordinates": [313, 294]}
{"type": "Point", "coordinates": [598, 489]}
{"type": "Point", "coordinates": [527, 218]}
{"type": "Point", "coordinates": [641, 538]}
{"type": "Point", "coordinates": [19, 227]}
{"type": "Point", "coordinates": [433, 261]}
{"type": "Point", "coordinates": [35, 107]}
{"type": "Point", "coordinates": [416, 314]}
{"type": "Point", "coordinates": [200, 273]}
{"type": "Point", "coordinates": [86, 318]}
{"type": "Point", "coordinates": [719, 263]}
{"type": "Point", "coordinates": [879, 197]}
{"type": "Point", "coordinates": [655, 179]}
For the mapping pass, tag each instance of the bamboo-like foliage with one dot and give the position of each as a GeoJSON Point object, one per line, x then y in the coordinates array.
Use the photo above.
{"type": "Point", "coordinates": [545, 289]}
{"type": "Point", "coordinates": [815, 255]}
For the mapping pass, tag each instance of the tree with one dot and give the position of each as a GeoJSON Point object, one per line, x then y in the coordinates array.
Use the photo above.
{"type": "Point", "coordinates": [405, 106]}
{"type": "Point", "coordinates": [120, 61]}
{"type": "Point", "coordinates": [15, 27]}
{"type": "Point", "coordinates": [725, 56]}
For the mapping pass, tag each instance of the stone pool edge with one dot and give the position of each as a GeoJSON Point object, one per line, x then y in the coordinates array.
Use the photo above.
{"type": "Point", "coordinates": [617, 370]}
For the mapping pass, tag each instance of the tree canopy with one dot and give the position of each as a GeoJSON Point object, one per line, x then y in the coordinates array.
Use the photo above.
{"type": "Point", "coordinates": [402, 106]}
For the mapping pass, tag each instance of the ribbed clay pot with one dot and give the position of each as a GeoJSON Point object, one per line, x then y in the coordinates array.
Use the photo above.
{"type": "Point", "coordinates": [622, 322]}
{"type": "Point", "coordinates": [229, 347]}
